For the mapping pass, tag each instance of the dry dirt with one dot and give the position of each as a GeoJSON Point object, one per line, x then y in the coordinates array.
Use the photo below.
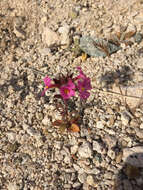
{"type": "Point", "coordinates": [33, 155]}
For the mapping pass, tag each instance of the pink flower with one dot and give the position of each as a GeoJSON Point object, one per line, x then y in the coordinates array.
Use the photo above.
{"type": "Point", "coordinates": [81, 75]}
{"type": "Point", "coordinates": [67, 91]}
{"type": "Point", "coordinates": [83, 86]}
{"type": "Point", "coordinates": [47, 82]}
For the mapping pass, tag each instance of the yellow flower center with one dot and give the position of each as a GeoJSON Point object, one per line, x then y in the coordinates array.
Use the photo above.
{"type": "Point", "coordinates": [82, 88]}
{"type": "Point", "coordinates": [66, 91]}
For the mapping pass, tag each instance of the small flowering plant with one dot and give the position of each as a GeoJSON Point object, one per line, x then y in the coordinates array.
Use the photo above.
{"type": "Point", "coordinates": [69, 121]}
{"type": "Point", "coordinates": [68, 86]}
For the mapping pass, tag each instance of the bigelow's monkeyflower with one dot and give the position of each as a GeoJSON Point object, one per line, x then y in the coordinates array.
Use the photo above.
{"type": "Point", "coordinates": [67, 85]}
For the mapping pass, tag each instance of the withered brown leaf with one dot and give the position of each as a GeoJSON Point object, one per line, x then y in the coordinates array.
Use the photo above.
{"type": "Point", "coordinates": [57, 123]}
{"type": "Point", "coordinates": [129, 34]}
{"type": "Point", "coordinates": [102, 47]}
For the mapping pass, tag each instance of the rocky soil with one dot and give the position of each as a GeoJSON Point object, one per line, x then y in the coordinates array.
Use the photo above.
{"type": "Point", "coordinates": [37, 39]}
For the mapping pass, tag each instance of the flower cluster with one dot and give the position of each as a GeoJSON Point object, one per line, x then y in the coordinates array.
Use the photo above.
{"type": "Point", "coordinates": [67, 85]}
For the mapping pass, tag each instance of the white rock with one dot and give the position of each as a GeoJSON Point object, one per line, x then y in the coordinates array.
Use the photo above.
{"type": "Point", "coordinates": [11, 136]}
{"type": "Point", "coordinates": [45, 51]}
{"type": "Point", "coordinates": [65, 39]}
{"type": "Point", "coordinates": [9, 123]}
{"type": "Point", "coordinates": [138, 76]}
{"type": "Point", "coordinates": [98, 147]}
{"type": "Point", "coordinates": [39, 116]}
{"type": "Point", "coordinates": [49, 37]}
{"type": "Point", "coordinates": [82, 177]}
{"type": "Point", "coordinates": [19, 32]}
{"type": "Point", "coordinates": [25, 158]}
{"type": "Point", "coordinates": [12, 186]}
{"type": "Point", "coordinates": [85, 186]}
{"type": "Point", "coordinates": [92, 171]}
{"type": "Point", "coordinates": [139, 133]}
{"type": "Point", "coordinates": [99, 125]}
{"type": "Point", "coordinates": [67, 186]}
{"type": "Point", "coordinates": [110, 140]}
{"type": "Point", "coordinates": [45, 121]}
{"type": "Point", "coordinates": [108, 175]}
{"type": "Point", "coordinates": [76, 185]}
{"type": "Point", "coordinates": [78, 168]}
{"type": "Point", "coordinates": [64, 29]}
{"type": "Point", "coordinates": [131, 27]}
{"type": "Point", "coordinates": [110, 131]}
{"type": "Point", "coordinates": [67, 160]}
{"type": "Point", "coordinates": [25, 126]}
{"type": "Point", "coordinates": [84, 132]}
{"type": "Point", "coordinates": [90, 181]}
{"type": "Point", "coordinates": [119, 157]}
{"type": "Point", "coordinates": [140, 63]}
{"type": "Point", "coordinates": [85, 150]}
{"type": "Point", "coordinates": [139, 18]}
{"type": "Point", "coordinates": [141, 126]}
{"type": "Point", "coordinates": [74, 149]}
{"type": "Point", "coordinates": [111, 154]}
{"type": "Point", "coordinates": [58, 145]}
{"type": "Point", "coordinates": [58, 156]}
{"type": "Point", "coordinates": [32, 132]}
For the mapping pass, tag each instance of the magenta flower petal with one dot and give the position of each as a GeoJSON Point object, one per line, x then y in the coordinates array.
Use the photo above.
{"type": "Point", "coordinates": [71, 84]}
{"type": "Point", "coordinates": [43, 92]}
{"type": "Point", "coordinates": [47, 81]}
{"type": "Point", "coordinates": [84, 95]}
{"type": "Point", "coordinates": [67, 91]}
{"type": "Point", "coordinates": [83, 86]}
{"type": "Point", "coordinates": [81, 75]}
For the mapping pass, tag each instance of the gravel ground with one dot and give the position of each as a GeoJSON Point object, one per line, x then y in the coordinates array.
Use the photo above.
{"type": "Point", "coordinates": [36, 39]}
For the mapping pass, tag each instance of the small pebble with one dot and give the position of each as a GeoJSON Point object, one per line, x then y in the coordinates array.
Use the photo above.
{"type": "Point", "coordinates": [85, 150]}
{"type": "Point", "coordinates": [91, 181]}
{"type": "Point", "coordinates": [119, 157]}
{"type": "Point", "coordinates": [111, 154]}
{"type": "Point", "coordinates": [82, 177]}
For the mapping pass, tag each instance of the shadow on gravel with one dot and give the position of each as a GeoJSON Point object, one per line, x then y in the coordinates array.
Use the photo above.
{"type": "Point", "coordinates": [19, 84]}
{"type": "Point", "coordinates": [130, 177]}
{"type": "Point", "coordinates": [123, 76]}
{"type": "Point", "coordinates": [14, 82]}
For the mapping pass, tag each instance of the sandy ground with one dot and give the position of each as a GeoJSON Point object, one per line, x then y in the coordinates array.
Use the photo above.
{"type": "Point", "coordinates": [38, 38]}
